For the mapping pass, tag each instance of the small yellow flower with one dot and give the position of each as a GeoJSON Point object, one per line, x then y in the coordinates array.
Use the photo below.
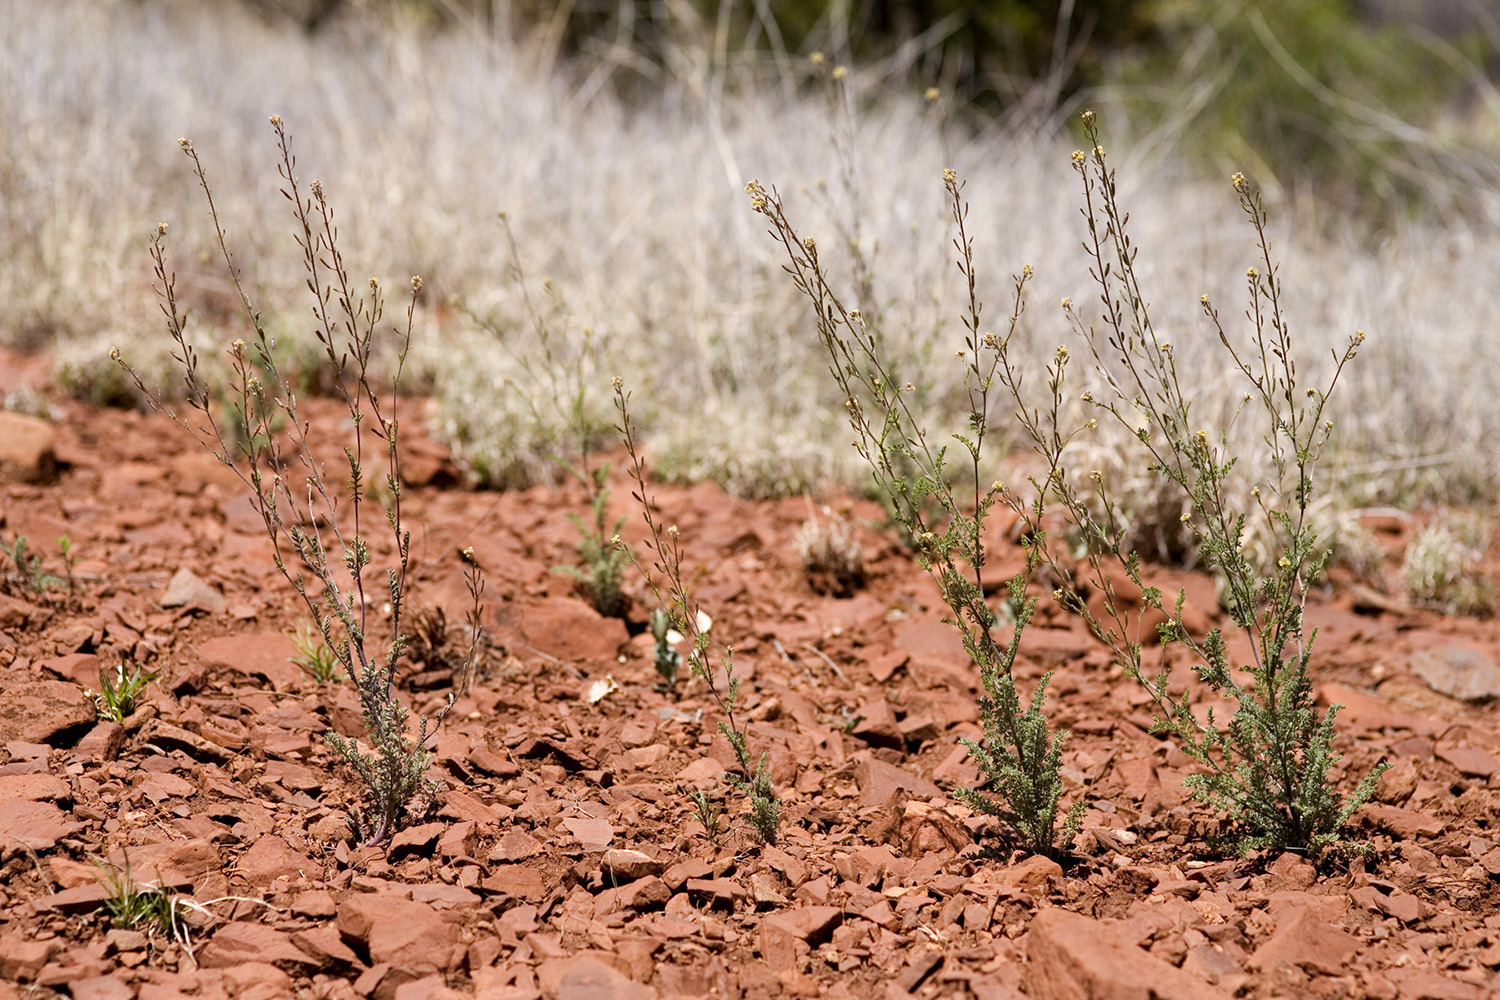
{"type": "Point", "coordinates": [374, 285]}
{"type": "Point", "coordinates": [949, 174]}
{"type": "Point", "coordinates": [1027, 270]}
{"type": "Point", "coordinates": [1087, 397]}
{"type": "Point", "coordinates": [1238, 179]}
{"type": "Point", "coordinates": [1098, 152]}
{"type": "Point", "coordinates": [1062, 352]}
{"type": "Point", "coordinates": [1186, 517]}
{"type": "Point", "coordinates": [614, 540]}
{"type": "Point", "coordinates": [816, 58]}
{"type": "Point", "coordinates": [275, 119]}
{"type": "Point", "coordinates": [672, 530]}
{"type": "Point", "coordinates": [854, 315]}
{"type": "Point", "coordinates": [997, 486]}
{"type": "Point", "coordinates": [908, 387]}
{"type": "Point", "coordinates": [1067, 302]}
{"type": "Point", "coordinates": [1252, 273]}
{"type": "Point", "coordinates": [1092, 425]}
{"type": "Point", "coordinates": [1203, 299]}
{"type": "Point", "coordinates": [931, 95]}
{"type": "Point", "coordinates": [184, 144]}
{"type": "Point", "coordinates": [416, 283]}
{"type": "Point", "coordinates": [161, 229]}
{"type": "Point", "coordinates": [839, 72]}
{"type": "Point", "coordinates": [1078, 156]}
{"type": "Point", "coordinates": [809, 244]}
{"type": "Point", "coordinates": [1359, 337]}
{"type": "Point", "coordinates": [1087, 116]}
{"type": "Point", "coordinates": [238, 345]}
{"type": "Point", "coordinates": [1096, 475]}
{"type": "Point", "coordinates": [617, 383]}
{"type": "Point", "coordinates": [990, 340]}
{"type": "Point", "coordinates": [114, 354]}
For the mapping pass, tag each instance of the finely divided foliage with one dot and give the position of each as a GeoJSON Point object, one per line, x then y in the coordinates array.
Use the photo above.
{"type": "Point", "coordinates": [323, 552]}
{"type": "Point", "coordinates": [1268, 768]}
{"type": "Point", "coordinates": [1020, 756]}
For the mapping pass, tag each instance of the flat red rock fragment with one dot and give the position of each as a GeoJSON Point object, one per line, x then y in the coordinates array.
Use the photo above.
{"type": "Point", "coordinates": [1073, 957]}
{"type": "Point", "coordinates": [399, 932]}
{"type": "Point", "coordinates": [1306, 940]}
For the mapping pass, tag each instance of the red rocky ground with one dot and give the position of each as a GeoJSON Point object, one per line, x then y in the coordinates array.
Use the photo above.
{"type": "Point", "coordinates": [562, 860]}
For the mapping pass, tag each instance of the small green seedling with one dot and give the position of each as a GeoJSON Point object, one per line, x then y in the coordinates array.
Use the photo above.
{"type": "Point", "coordinates": [314, 655]}
{"type": "Point", "coordinates": [121, 691]}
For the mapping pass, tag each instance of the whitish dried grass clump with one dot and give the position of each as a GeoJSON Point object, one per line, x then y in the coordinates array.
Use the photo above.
{"type": "Point", "coordinates": [1442, 567]}
{"type": "Point", "coordinates": [633, 208]}
{"type": "Point", "coordinates": [831, 557]}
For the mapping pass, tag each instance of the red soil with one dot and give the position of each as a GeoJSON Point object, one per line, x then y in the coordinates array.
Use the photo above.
{"type": "Point", "coordinates": [562, 859]}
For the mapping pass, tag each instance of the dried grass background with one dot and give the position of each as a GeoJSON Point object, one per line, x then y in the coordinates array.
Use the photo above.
{"type": "Point", "coordinates": [632, 223]}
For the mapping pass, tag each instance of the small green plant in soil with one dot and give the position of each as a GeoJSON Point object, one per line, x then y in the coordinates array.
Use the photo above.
{"type": "Point", "coordinates": [1020, 756]}
{"type": "Point", "coordinates": [313, 655]}
{"type": "Point", "coordinates": [132, 906]}
{"type": "Point", "coordinates": [27, 571]}
{"type": "Point", "coordinates": [665, 579]}
{"type": "Point", "coordinates": [706, 811]}
{"type": "Point", "coordinates": [120, 691]}
{"type": "Point", "coordinates": [603, 570]}
{"type": "Point", "coordinates": [319, 531]}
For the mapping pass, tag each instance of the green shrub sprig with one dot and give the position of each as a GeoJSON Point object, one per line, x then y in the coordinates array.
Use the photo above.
{"type": "Point", "coordinates": [1020, 755]}
{"type": "Point", "coordinates": [1267, 768]}
{"type": "Point", "coordinates": [322, 552]}
{"type": "Point", "coordinates": [666, 583]}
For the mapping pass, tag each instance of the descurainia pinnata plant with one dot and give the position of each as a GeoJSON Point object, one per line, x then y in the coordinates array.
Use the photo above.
{"type": "Point", "coordinates": [1020, 756]}
{"type": "Point", "coordinates": [684, 615]}
{"type": "Point", "coordinates": [324, 552]}
{"type": "Point", "coordinates": [1267, 768]}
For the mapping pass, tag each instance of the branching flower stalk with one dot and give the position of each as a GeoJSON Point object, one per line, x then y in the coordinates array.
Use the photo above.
{"type": "Point", "coordinates": [323, 555]}
{"type": "Point", "coordinates": [664, 577]}
{"type": "Point", "coordinates": [1020, 756]}
{"type": "Point", "coordinates": [1268, 766]}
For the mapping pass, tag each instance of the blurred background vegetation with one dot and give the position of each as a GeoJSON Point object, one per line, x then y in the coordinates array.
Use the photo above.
{"type": "Point", "coordinates": [617, 138]}
{"type": "Point", "coordinates": [1319, 96]}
